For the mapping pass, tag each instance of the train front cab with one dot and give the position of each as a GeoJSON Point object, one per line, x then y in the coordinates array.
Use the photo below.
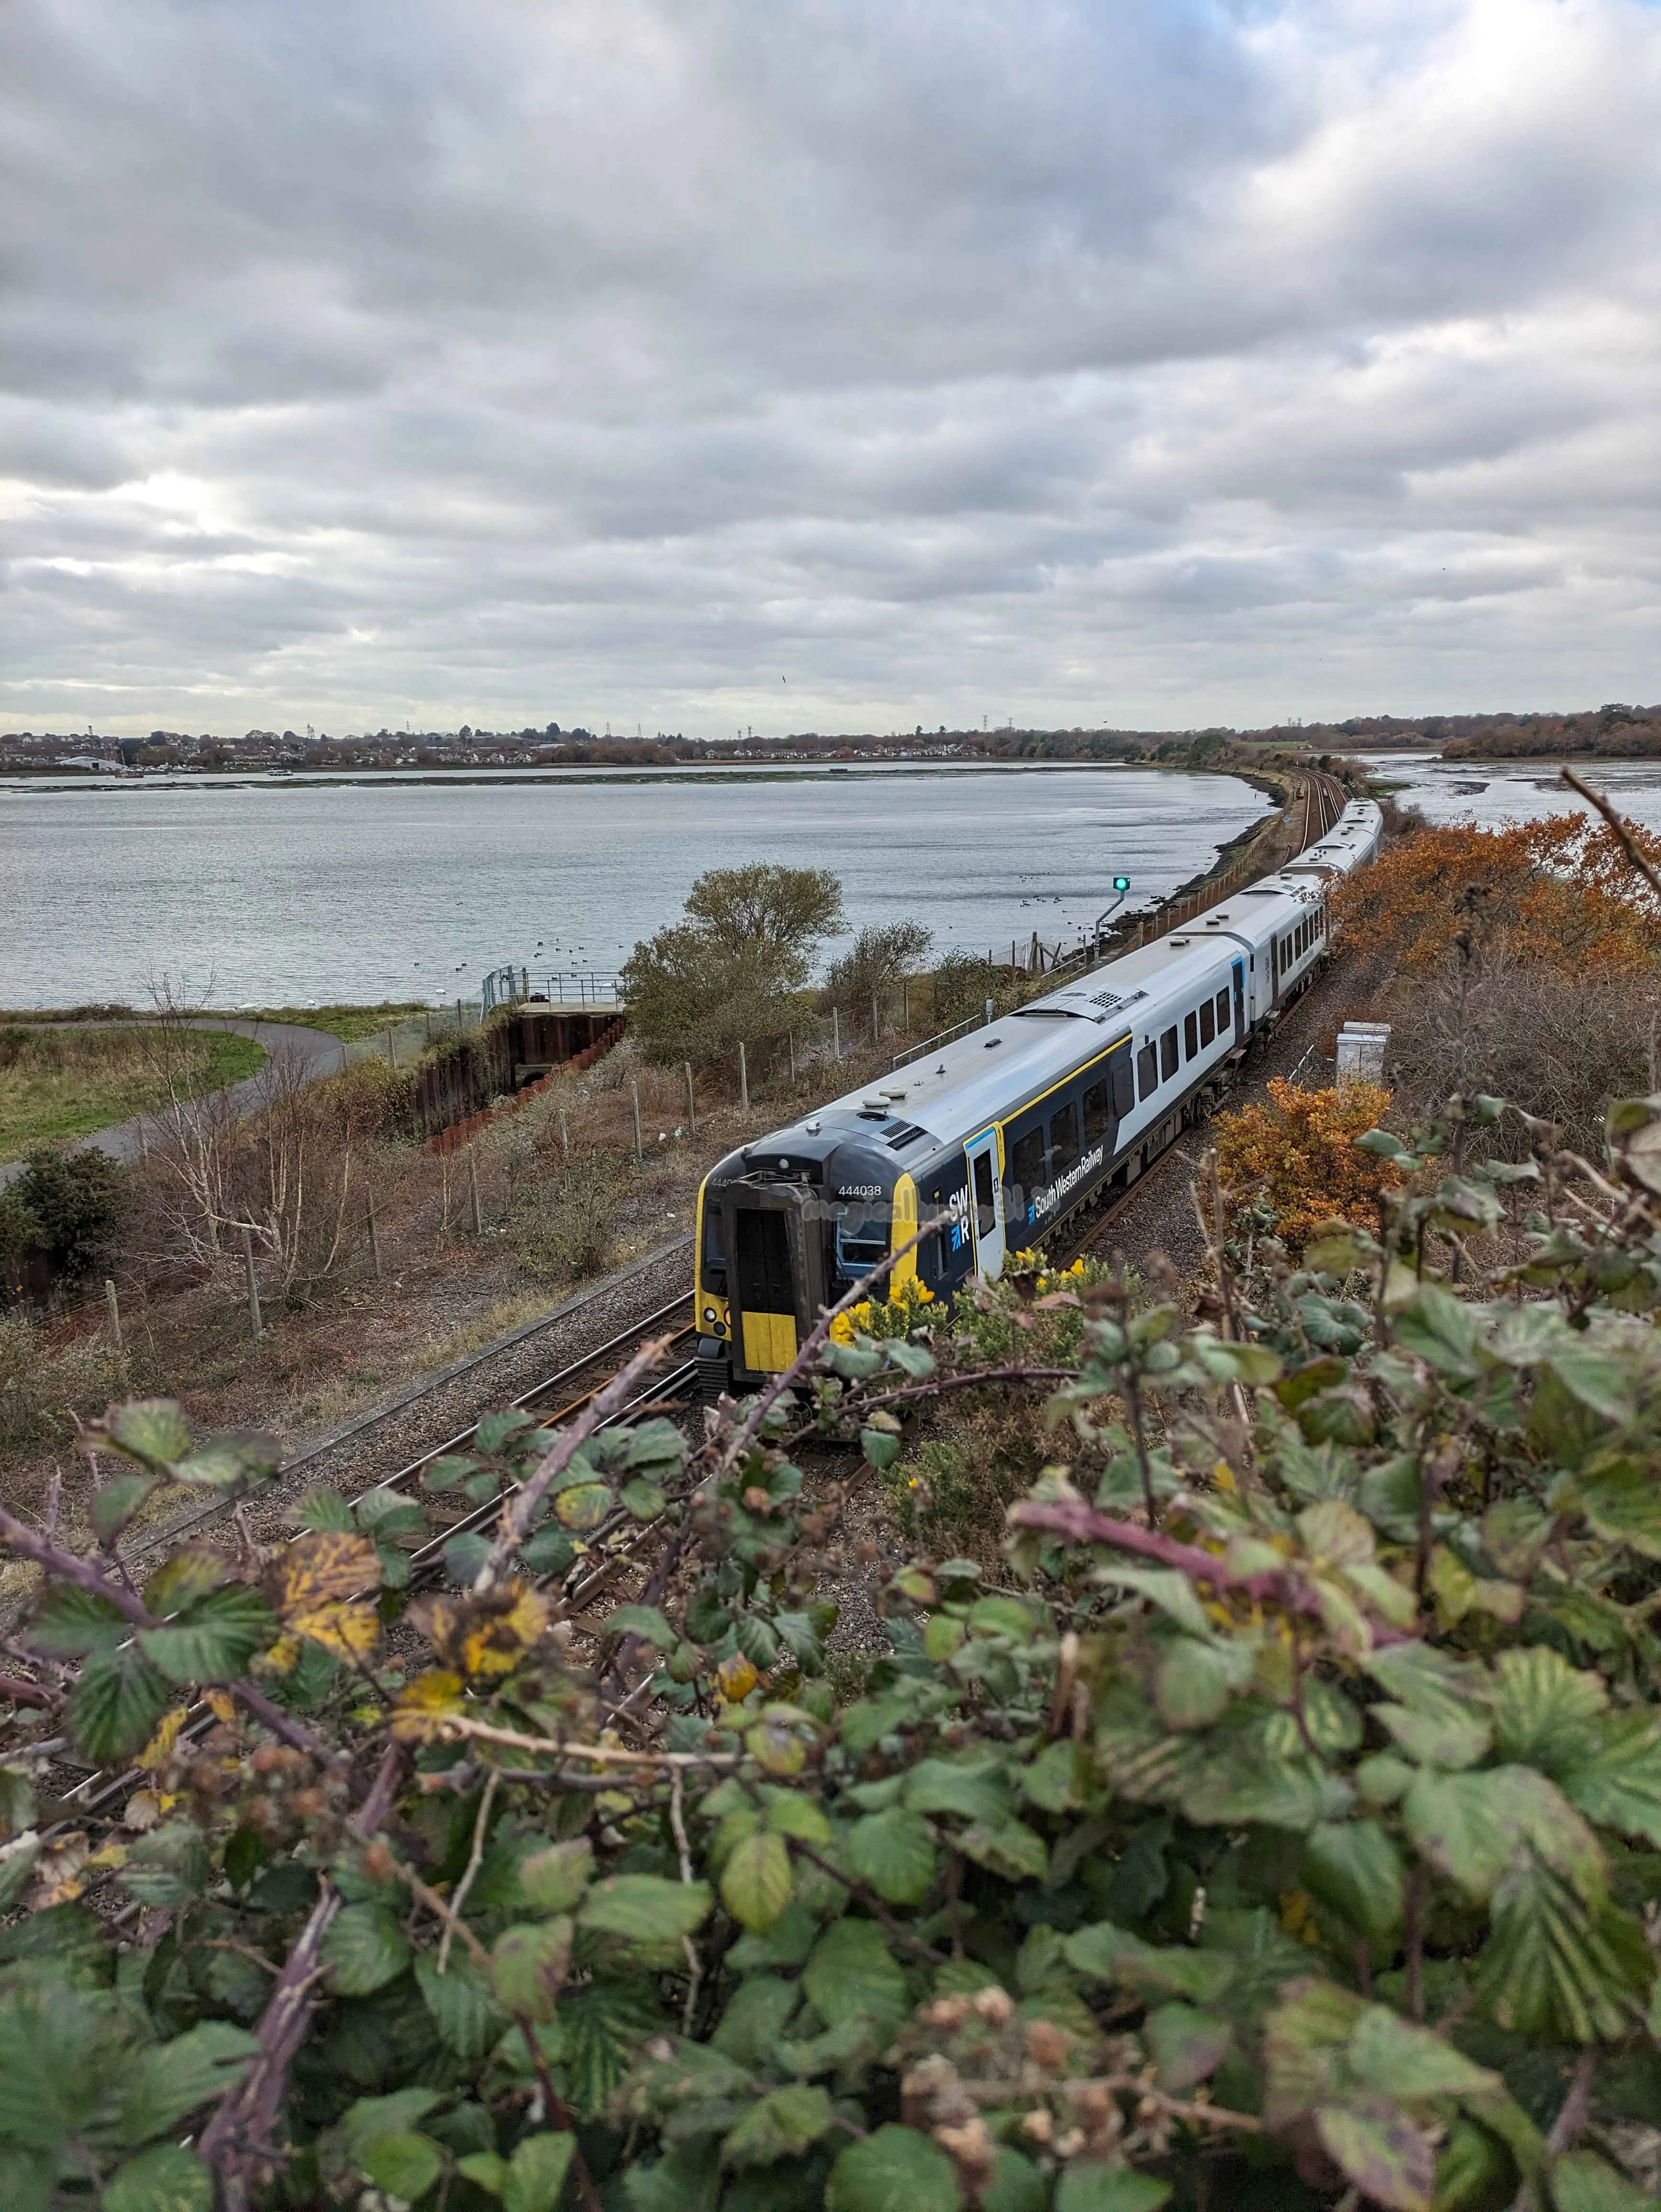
{"type": "Point", "coordinates": [777, 1244]}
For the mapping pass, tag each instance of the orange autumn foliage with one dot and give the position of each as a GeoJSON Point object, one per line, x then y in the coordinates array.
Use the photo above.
{"type": "Point", "coordinates": [1300, 1151]}
{"type": "Point", "coordinates": [1556, 893]}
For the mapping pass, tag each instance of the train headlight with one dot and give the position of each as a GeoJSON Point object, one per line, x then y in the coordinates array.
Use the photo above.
{"type": "Point", "coordinates": [708, 1313]}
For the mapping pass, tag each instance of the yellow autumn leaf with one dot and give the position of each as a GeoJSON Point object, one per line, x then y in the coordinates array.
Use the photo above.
{"type": "Point", "coordinates": [487, 1634]}
{"type": "Point", "coordinates": [222, 1706]}
{"type": "Point", "coordinates": [283, 1657]}
{"type": "Point", "coordinates": [737, 1678]}
{"type": "Point", "coordinates": [158, 1749]}
{"type": "Point", "coordinates": [326, 1568]}
{"type": "Point", "coordinates": [351, 1631]}
{"type": "Point", "coordinates": [424, 1702]}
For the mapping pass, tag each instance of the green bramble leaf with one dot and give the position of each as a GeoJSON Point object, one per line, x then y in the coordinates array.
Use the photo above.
{"type": "Point", "coordinates": [114, 1505]}
{"type": "Point", "coordinates": [536, 2172]}
{"type": "Point", "coordinates": [214, 1639]}
{"type": "Point", "coordinates": [1383, 2152]}
{"type": "Point", "coordinates": [73, 1622]}
{"type": "Point", "coordinates": [528, 1966]}
{"type": "Point", "coordinates": [553, 1881]}
{"type": "Point", "coordinates": [644, 1621]}
{"type": "Point", "coordinates": [894, 1851]}
{"type": "Point", "coordinates": [645, 1907]}
{"type": "Point", "coordinates": [1615, 1779]}
{"type": "Point", "coordinates": [1091, 2186]}
{"type": "Point", "coordinates": [460, 2000]}
{"type": "Point", "coordinates": [403, 2165]}
{"type": "Point", "coordinates": [364, 1948]}
{"type": "Point", "coordinates": [153, 1430]}
{"type": "Point", "coordinates": [757, 1882]}
{"type": "Point", "coordinates": [1355, 1867]}
{"type": "Point", "coordinates": [894, 2169]}
{"type": "Point", "coordinates": [783, 2124]}
{"type": "Point", "coordinates": [166, 2178]}
{"type": "Point", "coordinates": [1583, 2182]}
{"type": "Point", "coordinates": [114, 1707]}
{"type": "Point", "coordinates": [852, 1975]}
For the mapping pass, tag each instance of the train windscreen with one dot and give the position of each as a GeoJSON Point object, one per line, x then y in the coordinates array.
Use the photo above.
{"type": "Point", "coordinates": [863, 1234]}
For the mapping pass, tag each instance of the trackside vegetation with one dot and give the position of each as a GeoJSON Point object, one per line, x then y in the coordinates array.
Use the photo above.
{"type": "Point", "coordinates": [1279, 1822]}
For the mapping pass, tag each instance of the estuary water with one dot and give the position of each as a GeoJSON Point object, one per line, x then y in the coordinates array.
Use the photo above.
{"type": "Point", "coordinates": [255, 890]}
{"type": "Point", "coordinates": [1496, 793]}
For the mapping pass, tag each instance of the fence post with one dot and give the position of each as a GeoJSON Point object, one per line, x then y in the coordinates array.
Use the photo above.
{"type": "Point", "coordinates": [691, 1104]}
{"type": "Point", "coordinates": [565, 1134]}
{"type": "Point", "coordinates": [835, 1034]}
{"type": "Point", "coordinates": [254, 1320]}
{"type": "Point", "coordinates": [374, 1241]}
{"type": "Point", "coordinates": [472, 1190]}
{"type": "Point", "coordinates": [988, 1011]}
{"type": "Point", "coordinates": [114, 1305]}
{"type": "Point", "coordinates": [458, 1017]}
{"type": "Point", "coordinates": [744, 1079]}
{"type": "Point", "coordinates": [634, 1100]}
{"type": "Point", "coordinates": [392, 1046]}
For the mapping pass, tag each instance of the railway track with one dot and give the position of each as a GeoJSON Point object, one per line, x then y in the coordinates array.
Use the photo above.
{"type": "Point", "coordinates": [93, 1794]}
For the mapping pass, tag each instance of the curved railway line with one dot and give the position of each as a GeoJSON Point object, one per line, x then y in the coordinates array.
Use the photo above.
{"type": "Point", "coordinates": [81, 1794]}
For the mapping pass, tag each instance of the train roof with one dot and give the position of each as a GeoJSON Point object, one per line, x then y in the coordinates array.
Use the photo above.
{"type": "Point", "coordinates": [958, 1088]}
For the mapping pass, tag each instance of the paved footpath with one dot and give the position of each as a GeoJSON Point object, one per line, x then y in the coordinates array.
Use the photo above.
{"type": "Point", "coordinates": [306, 1054]}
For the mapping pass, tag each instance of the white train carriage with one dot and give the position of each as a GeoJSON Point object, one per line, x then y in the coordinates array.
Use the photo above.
{"type": "Point", "coordinates": [990, 1140]}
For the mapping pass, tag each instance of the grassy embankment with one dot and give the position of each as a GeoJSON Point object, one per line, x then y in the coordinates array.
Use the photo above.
{"type": "Point", "coordinates": [58, 1083]}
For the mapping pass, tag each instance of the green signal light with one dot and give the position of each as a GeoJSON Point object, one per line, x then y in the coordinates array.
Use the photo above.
{"type": "Point", "coordinates": [1121, 883]}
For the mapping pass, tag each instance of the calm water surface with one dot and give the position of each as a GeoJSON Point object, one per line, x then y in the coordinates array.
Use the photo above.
{"type": "Point", "coordinates": [1495, 793]}
{"type": "Point", "coordinates": [258, 891]}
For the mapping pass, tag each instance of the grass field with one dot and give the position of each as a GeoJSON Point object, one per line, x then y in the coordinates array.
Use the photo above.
{"type": "Point", "coordinates": [350, 1024]}
{"type": "Point", "coordinates": [65, 1083]}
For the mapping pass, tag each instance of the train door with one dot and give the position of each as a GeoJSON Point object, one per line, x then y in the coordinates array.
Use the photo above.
{"type": "Point", "coordinates": [986, 1202]}
{"type": "Point", "coordinates": [766, 1290]}
{"type": "Point", "coordinates": [1239, 1002]}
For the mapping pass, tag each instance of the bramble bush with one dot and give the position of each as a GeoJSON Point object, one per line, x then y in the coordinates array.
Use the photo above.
{"type": "Point", "coordinates": [1281, 1824]}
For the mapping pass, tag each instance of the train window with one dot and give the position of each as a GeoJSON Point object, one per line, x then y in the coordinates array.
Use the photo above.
{"type": "Point", "coordinates": [1124, 1091]}
{"type": "Point", "coordinates": [1026, 1168]}
{"type": "Point", "coordinates": [986, 1208]}
{"type": "Point", "coordinates": [1063, 1138]}
{"type": "Point", "coordinates": [715, 1253]}
{"type": "Point", "coordinates": [1222, 1013]}
{"type": "Point", "coordinates": [1095, 1113]}
{"type": "Point", "coordinates": [862, 1237]}
{"type": "Point", "coordinates": [1147, 1071]}
{"type": "Point", "coordinates": [1168, 1055]}
{"type": "Point", "coordinates": [1207, 1023]}
{"type": "Point", "coordinates": [1190, 1035]}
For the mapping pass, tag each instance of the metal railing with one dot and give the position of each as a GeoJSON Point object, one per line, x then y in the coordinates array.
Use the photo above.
{"type": "Point", "coordinates": [563, 987]}
{"type": "Point", "coordinates": [570, 986]}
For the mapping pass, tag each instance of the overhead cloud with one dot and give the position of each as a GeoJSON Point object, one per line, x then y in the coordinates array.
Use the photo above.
{"type": "Point", "coordinates": [1140, 361]}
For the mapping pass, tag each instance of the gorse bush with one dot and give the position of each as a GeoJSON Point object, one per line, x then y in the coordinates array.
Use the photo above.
{"type": "Point", "coordinates": [1278, 1826]}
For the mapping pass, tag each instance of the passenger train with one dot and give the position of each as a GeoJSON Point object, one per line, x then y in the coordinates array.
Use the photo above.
{"type": "Point", "coordinates": [990, 1141]}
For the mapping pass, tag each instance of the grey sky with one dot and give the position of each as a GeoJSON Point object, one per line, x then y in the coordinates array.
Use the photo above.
{"type": "Point", "coordinates": [1140, 361]}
